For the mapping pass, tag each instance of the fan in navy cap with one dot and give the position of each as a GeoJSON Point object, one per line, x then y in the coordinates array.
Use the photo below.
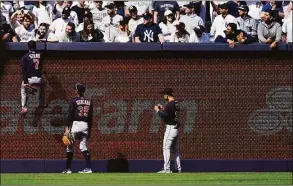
{"type": "Point", "coordinates": [148, 31]}
{"type": "Point", "coordinates": [80, 122]}
{"type": "Point", "coordinates": [246, 22]}
{"type": "Point", "coordinates": [170, 116]}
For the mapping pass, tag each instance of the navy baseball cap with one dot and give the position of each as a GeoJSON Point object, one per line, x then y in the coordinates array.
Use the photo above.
{"type": "Point", "coordinates": [190, 5]}
{"type": "Point", "coordinates": [110, 5]}
{"type": "Point", "coordinates": [167, 91]}
{"type": "Point", "coordinates": [223, 6]}
{"type": "Point", "coordinates": [147, 16]}
{"type": "Point", "coordinates": [132, 9]}
{"type": "Point", "coordinates": [79, 88]}
{"type": "Point", "coordinates": [244, 8]}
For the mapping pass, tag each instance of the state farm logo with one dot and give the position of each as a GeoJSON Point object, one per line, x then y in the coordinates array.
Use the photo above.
{"type": "Point", "coordinates": [276, 116]}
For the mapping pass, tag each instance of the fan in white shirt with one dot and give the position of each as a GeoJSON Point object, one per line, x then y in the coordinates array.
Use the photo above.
{"type": "Point", "coordinates": [110, 23]}
{"type": "Point", "coordinates": [122, 34]}
{"type": "Point", "coordinates": [199, 36]}
{"type": "Point", "coordinates": [43, 12]}
{"type": "Point", "coordinates": [6, 9]}
{"type": "Point", "coordinates": [221, 21]}
{"type": "Point", "coordinates": [190, 19]}
{"type": "Point", "coordinates": [98, 13]}
{"type": "Point", "coordinates": [142, 7]}
{"type": "Point", "coordinates": [42, 34]}
{"type": "Point", "coordinates": [26, 31]}
{"type": "Point", "coordinates": [287, 28]}
{"type": "Point", "coordinates": [255, 8]}
{"type": "Point", "coordinates": [180, 35]}
{"type": "Point", "coordinates": [168, 25]}
{"type": "Point", "coordinates": [58, 26]}
{"type": "Point", "coordinates": [134, 20]}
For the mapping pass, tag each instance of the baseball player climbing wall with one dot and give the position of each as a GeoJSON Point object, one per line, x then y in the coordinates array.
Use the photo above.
{"type": "Point", "coordinates": [230, 108]}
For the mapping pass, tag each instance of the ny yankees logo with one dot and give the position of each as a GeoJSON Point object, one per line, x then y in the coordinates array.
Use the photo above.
{"type": "Point", "coordinates": [148, 34]}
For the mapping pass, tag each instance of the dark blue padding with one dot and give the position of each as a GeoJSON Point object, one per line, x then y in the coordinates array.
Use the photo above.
{"type": "Point", "coordinates": [112, 46]}
{"type": "Point", "coordinates": [219, 47]}
{"type": "Point", "coordinates": [147, 47]}
{"type": "Point", "coordinates": [290, 48]}
{"type": "Point", "coordinates": [55, 166]}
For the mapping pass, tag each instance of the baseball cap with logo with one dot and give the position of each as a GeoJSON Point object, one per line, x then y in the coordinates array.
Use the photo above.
{"type": "Point", "coordinates": [66, 11]}
{"type": "Point", "coordinates": [147, 16]}
{"type": "Point", "coordinates": [167, 91]}
{"type": "Point", "coordinates": [132, 9]}
{"type": "Point", "coordinates": [244, 8]}
{"type": "Point", "coordinates": [80, 88]}
{"type": "Point", "coordinates": [110, 5]}
{"type": "Point", "coordinates": [168, 12]}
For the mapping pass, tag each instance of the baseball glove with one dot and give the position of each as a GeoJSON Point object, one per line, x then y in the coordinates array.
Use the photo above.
{"type": "Point", "coordinates": [68, 139]}
{"type": "Point", "coordinates": [29, 89]}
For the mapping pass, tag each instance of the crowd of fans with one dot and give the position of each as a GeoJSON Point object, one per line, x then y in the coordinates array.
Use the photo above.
{"type": "Point", "coordinates": [229, 22]}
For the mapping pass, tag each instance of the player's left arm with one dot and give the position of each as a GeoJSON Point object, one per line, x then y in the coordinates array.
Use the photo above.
{"type": "Point", "coordinates": [90, 121]}
{"type": "Point", "coordinates": [70, 117]}
{"type": "Point", "coordinates": [23, 67]}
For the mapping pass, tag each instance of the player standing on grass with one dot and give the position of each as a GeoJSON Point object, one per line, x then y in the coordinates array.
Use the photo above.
{"type": "Point", "coordinates": [80, 122]}
{"type": "Point", "coordinates": [32, 76]}
{"type": "Point", "coordinates": [170, 116]}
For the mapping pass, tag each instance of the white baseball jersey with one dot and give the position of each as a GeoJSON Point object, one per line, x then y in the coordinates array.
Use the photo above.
{"type": "Point", "coordinates": [24, 34]}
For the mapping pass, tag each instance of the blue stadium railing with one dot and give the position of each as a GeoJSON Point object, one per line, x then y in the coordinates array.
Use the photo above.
{"type": "Point", "coordinates": [147, 47]}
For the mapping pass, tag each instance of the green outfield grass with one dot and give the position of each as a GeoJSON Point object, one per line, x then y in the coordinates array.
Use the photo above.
{"type": "Point", "coordinates": [148, 178]}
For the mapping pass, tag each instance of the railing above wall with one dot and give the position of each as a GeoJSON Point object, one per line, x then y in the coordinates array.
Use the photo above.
{"type": "Point", "coordinates": [147, 47]}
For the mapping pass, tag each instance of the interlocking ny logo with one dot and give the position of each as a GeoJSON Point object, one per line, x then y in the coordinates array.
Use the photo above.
{"type": "Point", "coordinates": [276, 116]}
{"type": "Point", "coordinates": [149, 35]}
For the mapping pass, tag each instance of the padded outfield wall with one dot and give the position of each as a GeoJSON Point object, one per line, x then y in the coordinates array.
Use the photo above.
{"type": "Point", "coordinates": [236, 106]}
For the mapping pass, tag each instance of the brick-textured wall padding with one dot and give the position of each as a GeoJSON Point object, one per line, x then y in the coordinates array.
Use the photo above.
{"type": "Point", "coordinates": [234, 106]}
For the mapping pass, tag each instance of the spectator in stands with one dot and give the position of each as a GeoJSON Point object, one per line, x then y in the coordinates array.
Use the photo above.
{"type": "Point", "coordinates": [122, 34]}
{"type": "Point", "coordinates": [87, 16]}
{"type": "Point", "coordinates": [161, 7]}
{"type": "Point", "coordinates": [287, 6]}
{"type": "Point", "coordinates": [190, 19]}
{"type": "Point", "coordinates": [42, 34]}
{"type": "Point", "coordinates": [246, 22]}
{"type": "Point", "coordinates": [141, 7]}
{"type": "Point", "coordinates": [111, 22]}
{"type": "Point", "coordinates": [168, 25]}
{"type": "Point", "coordinates": [148, 31]}
{"type": "Point", "coordinates": [70, 35]}
{"type": "Point", "coordinates": [287, 28]}
{"type": "Point", "coordinates": [255, 8]}
{"type": "Point", "coordinates": [98, 13]}
{"type": "Point", "coordinates": [89, 33]}
{"type": "Point", "coordinates": [17, 18]}
{"type": "Point", "coordinates": [80, 10]}
{"type": "Point", "coordinates": [6, 9]}
{"type": "Point", "coordinates": [135, 19]}
{"type": "Point", "coordinates": [232, 7]}
{"type": "Point", "coordinates": [231, 36]}
{"type": "Point", "coordinates": [43, 12]}
{"type": "Point", "coordinates": [73, 14]}
{"type": "Point", "coordinates": [58, 26]}
{"type": "Point", "coordinates": [275, 6]}
{"type": "Point", "coordinates": [120, 8]}
{"type": "Point", "coordinates": [26, 32]}
{"type": "Point", "coordinates": [7, 34]}
{"type": "Point", "coordinates": [2, 19]}
{"type": "Point", "coordinates": [180, 35]}
{"type": "Point", "coordinates": [198, 35]}
{"type": "Point", "coordinates": [57, 9]}
{"type": "Point", "coordinates": [269, 31]}
{"type": "Point", "coordinates": [220, 22]}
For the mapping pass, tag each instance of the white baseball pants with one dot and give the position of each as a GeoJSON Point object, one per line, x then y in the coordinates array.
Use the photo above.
{"type": "Point", "coordinates": [79, 130]}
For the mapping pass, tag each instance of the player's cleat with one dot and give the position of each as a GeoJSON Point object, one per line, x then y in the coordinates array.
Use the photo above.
{"type": "Point", "coordinates": [86, 171]}
{"type": "Point", "coordinates": [176, 171]}
{"type": "Point", "coordinates": [165, 171]}
{"type": "Point", "coordinates": [23, 110]}
{"type": "Point", "coordinates": [67, 171]}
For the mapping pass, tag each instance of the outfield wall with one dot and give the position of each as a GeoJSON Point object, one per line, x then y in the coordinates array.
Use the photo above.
{"type": "Point", "coordinates": [236, 106]}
